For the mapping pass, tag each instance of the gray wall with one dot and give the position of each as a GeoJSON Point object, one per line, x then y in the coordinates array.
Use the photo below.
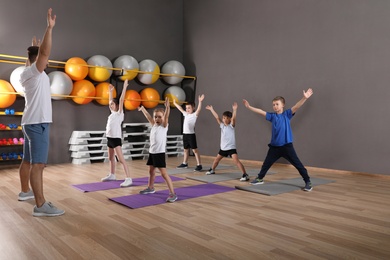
{"type": "Point", "coordinates": [148, 29]}
{"type": "Point", "coordinates": [258, 49]}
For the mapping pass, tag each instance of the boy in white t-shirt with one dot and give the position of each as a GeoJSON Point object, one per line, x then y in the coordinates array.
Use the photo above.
{"type": "Point", "coordinates": [228, 140]}
{"type": "Point", "coordinates": [114, 135]}
{"type": "Point", "coordinates": [158, 143]}
{"type": "Point", "coordinates": [189, 137]}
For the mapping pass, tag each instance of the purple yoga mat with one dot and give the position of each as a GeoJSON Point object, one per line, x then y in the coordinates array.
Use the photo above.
{"type": "Point", "coordinates": [108, 185]}
{"type": "Point", "coordinates": [139, 200]}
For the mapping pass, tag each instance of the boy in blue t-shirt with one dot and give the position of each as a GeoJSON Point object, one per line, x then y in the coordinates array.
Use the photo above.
{"type": "Point", "coordinates": [281, 144]}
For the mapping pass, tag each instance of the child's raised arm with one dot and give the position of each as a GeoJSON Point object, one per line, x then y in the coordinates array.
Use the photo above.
{"type": "Point", "coordinates": [166, 112]}
{"type": "Point", "coordinates": [122, 98]}
{"type": "Point", "coordinates": [256, 110]}
{"type": "Point", "coordinates": [200, 99]}
{"type": "Point", "coordinates": [306, 95]}
{"type": "Point", "coordinates": [178, 106]}
{"type": "Point", "coordinates": [209, 107]}
{"type": "Point", "coordinates": [146, 114]}
{"type": "Point", "coordinates": [234, 114]}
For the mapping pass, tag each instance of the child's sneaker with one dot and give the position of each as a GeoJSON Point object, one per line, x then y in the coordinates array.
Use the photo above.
{"type": "Point", "coordinates": [245, 177]}
{"type": "Point", "coordinates": [147, 191]}
{"type": "Point", "coordinates": [257, 181]}
{"type": "Point", "coordinates": [182, 166]}
{"type": "Point", "coordinates": [127, 182]}
{"type": "Point", "coordinates": [308, 187]}
{"type": "Point", "coordinates": [210, 171]}
{"type": "Point", "coordinates": [198, 168]}
{"type": "Point", "coordinates": [26, 195]}
{"type": "Point", "coordinates": [47, 210]}
{"type": "Point", "coordinates": [109, 177]}
{"type": "Point", "coordinates": [172, 197]}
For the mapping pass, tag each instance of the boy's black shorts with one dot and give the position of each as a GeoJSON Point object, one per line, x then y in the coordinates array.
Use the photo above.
{"type": "Point", "coordinates": [157, 160]}
{"type": "Point", "coordinates": [114, 142]}
{"type": "Point", "coordinates": [227, 153]}
{"type": "Point", "coordinates": [189, 141]}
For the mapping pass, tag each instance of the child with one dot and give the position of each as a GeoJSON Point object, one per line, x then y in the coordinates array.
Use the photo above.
{"type": "Point", "coordinates": [228, 140]}
{"type": "Point", "coordinates": [158, 142]}
{"type": "Point", "coordinates": [114, 136]}
{"type": "Point", "coordinates": [282, 139]}
{"type": "Point", "coordinates": [189, 138]}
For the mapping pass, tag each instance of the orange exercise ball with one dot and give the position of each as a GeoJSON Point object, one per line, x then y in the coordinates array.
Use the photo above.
{"type": "Point", "coordinates": [76, 68]}
{"type": "Point", "coordinates": [102, 91]}
{"type": "Point", "coordinates": [83, 89]}
{"type": "Point", "coordinates": [131, 99]}
{"type": "Point", "coordinates": [151, 97]}
{"type": "Point", "coordinates": [6, 100]}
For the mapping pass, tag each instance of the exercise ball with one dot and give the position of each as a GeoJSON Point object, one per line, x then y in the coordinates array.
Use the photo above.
{"type": "Point", "coordinates": [103, 91]}
{"type": "Point", "coordinates": [99, 72]}
{"type": "Point", "coordinates": [173, 67]}
{"type": "Point", "coordinates": [132, 99]}
{"type": "Point", "coordinates": [6, 100]}
{"type": "Point", "coordinates": [153, 70]}
{"type": "Point", "coordinates": [76, 68]}
{"type": "Point", "coordinates": [83, 89]}
{"type": "Point", "coordinates": [60, 84]}
{"type": "Point", "coordinates": [126, 62]}
{"type": "Point", "coordinates": [150, 97]}
{"type": "Point", "coordinates": [15, 79]}
{"type": "Point", "coordinates": [175, 93]}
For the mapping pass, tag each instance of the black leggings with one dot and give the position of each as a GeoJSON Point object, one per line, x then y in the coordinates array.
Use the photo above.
{"type": "Point", "coordinates": [288, 152]}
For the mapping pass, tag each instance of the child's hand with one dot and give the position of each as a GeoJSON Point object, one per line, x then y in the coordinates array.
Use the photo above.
{"type": "Point", "coordinates": [166, 102]}
{"type": "Point", "coordinates": [246, 103]}
{"type": "Point", "coordinates": [111, 87]}
{"type": "Point", "coordinates": [201, 97]}
{"type": "Point", "coordinates": [174, 102]}
{"type": "Point", "coordinates": [209, 107]}
{"type": "Point", "coordinates": [235, 106]}
{"type": "Point", "coordinates": [308, 93]}
{"type": "Point", "coordinates": [140, 108]}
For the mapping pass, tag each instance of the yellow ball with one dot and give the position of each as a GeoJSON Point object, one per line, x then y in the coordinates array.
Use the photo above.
{"type": "Point", "coordinates": [76, 68]}
{"type": "Point", "coordinates": [102, 91]}
{"type": "Point", "coordinates": [84, 90]}
{"type": "Point", "coordinates": [100, 71]}
{"type": "Point", "coordinates": [150, 96]}
{"type": "Point", "coordinates": [6, 100]}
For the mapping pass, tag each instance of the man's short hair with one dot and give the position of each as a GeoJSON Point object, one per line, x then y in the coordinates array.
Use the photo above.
{"type": "Point", "coordinates": [32, 53]}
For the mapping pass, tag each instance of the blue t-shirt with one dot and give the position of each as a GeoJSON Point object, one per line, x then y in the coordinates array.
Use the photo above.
{"type": "Point", "coordinates": [281, 128]}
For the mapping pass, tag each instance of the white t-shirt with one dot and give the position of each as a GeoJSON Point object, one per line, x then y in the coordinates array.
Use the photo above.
{"type": "Point", "coordinates": [37, 96]}
{"type": "Point", "coordinates": [158, 139]}
{"type": "Point", "coordinates": [189, 123]}
{"type": "Point", "coordinates": [228, 138]}
{"type": "Point", "coordinates": [114, 124]}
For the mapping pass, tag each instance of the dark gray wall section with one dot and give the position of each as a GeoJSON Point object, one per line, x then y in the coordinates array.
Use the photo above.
{"type": "Point", "coordinates": [147, 29]}
{"type": "Point", "coordinates": [260, 49]}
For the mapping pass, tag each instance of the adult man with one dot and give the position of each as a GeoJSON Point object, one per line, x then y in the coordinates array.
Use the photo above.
{"type": "Point", "coordinates": [36, 120]}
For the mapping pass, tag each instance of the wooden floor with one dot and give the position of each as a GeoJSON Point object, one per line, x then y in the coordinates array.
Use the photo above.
{"type": "Point", "coordinates": [346, 219]}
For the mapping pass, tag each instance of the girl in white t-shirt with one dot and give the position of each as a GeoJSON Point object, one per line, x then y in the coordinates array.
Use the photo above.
{"type": "Point", "coordinates": [114, 136]}
{"type": "Point", "coordinates": [158, 142]}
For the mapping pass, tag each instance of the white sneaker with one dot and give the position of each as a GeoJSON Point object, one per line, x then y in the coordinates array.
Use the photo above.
{"type": "Point", "coordinates": [109, 177]}
{"type": "Point", "coordinates": [210, 171]}
{"type": "Point", "coordinates": [127, 182]}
